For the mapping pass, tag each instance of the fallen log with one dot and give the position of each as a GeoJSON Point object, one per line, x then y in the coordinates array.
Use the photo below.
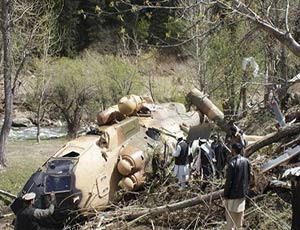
{"type": "Point", "coordinates": [292, 116]}
{"type": "Point", "coordinates": [286, 131]}
{"type": "Point", "coordinates": [10, 195]}
{"type": "Point", "coordinates": [176, 206]}
{"type": "Point", "coordinates": [290, 144]}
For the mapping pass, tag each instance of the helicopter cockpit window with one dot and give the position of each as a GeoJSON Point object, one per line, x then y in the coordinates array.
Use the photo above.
{"type": "Point", "coordinates": [60, 167]}
{"type": "Point", "coordinates": [71, 154]}
{"type": "Point", "coordinates": [153, 133]}
{"type": "Point", "coordinates": [57, 183]}
{"type": "Point", "coordinates": [58, 175]}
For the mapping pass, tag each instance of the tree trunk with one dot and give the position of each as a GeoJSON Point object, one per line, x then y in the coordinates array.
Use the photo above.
{"type": "Point", "coordinates": [73, 128]}
{"type": "Point", "coordinates": [266, 88]}
{"type": "Point", "coordinates": [243, 95]}
{"type": "Point", "coordinates": [6, 35]}
{"type": "Point", "coordinates": [176, 206]}
{"type": "Point", "coordinates": [38, 130]}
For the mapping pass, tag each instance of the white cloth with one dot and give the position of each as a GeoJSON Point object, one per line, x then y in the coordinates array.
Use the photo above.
{"type": "Point", "coordinates": [207, 148]}
{"type": "Point", "coordinates": [234, 210]}
{"type": "Point", "coordinates": [236, 205]}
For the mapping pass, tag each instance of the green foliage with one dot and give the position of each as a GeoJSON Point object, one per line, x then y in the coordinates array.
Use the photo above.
{"type": "Point", "coordinates": [143, 29]}
{"type": "Point", "coordinates": [83, 23]}
{"type": "Point", "coordinates": [164, 78]}
{"type": "Point", "coordinates": [124, 77]}
{"type": "Point", "coordinates": [69, 20]}
{"type": "Point", "coordinates": [80, 87]}
{"type": "Point", "coordinates": [175, 28]}
{"type": "Point", "coordinates": [73, 87]}
{"type": "Point", "coordinates": [226, 50]}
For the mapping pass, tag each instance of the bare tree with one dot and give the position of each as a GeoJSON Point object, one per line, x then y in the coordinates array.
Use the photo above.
{"type": "Point", "coordinates": [284, 36]}
{"type": "Point", "coordinates": [17, 16]}
{"type": "Point", "coordinates": [48, 40]}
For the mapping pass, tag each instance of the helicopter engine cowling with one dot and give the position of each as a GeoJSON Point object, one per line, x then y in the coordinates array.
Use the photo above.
{"type": "Point", "coordinates": [133, 181]}
{"type": "Point", "coordinates": [130, 104]}
{"type": "Point", "coordinates": [131, 160]}
{"type": "Point", "coordinates": [109, 116]}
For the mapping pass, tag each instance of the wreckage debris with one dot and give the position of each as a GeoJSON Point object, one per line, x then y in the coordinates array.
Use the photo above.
{"type": "Point", "coordinates": [288, 155]}
{"type": "Point", "coordinates": [130, 133]}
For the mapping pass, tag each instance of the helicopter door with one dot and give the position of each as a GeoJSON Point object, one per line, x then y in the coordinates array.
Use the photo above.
{"type": "Point", "coordinates": [102, 185]}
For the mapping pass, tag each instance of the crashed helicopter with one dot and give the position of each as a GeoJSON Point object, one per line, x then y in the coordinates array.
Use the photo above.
{"type": "Point", "coordinates": [87, 172]}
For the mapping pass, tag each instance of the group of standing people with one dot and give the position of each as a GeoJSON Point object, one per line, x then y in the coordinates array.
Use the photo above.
{"type": "Point", "coordinates": [202, 159]}
{"type": "Point", "coordinates": [210, 159]}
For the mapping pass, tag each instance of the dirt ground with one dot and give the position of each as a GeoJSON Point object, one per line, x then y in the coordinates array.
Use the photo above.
{"type": "Point", "coordinates": [23, 158]}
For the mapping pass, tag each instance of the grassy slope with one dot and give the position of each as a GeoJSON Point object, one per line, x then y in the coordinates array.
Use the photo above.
{"type": "Point", "coordinates": [24, 158]}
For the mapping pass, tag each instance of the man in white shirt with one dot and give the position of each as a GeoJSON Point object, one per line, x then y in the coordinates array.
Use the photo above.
{"type": "Point", "coordinates": [181, 169]}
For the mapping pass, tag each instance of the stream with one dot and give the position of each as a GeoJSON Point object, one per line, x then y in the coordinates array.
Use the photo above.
{"type": "Point", "coordinates": [29, 133]}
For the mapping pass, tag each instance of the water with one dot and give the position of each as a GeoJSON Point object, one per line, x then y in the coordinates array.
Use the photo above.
{"type": "Point", "coordinates": [29, 133]}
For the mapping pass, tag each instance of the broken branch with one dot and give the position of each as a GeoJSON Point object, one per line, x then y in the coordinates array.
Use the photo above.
{"type": "Point", "coordinates": [10, 195]}
{"type": "Point", "coordinates": [286, 131]}
{"type": "Point", "coordinates": [176, 206]}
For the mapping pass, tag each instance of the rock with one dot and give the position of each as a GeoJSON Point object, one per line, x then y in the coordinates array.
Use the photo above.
{"type": "Point", "coordinates": [48, 122]}
{"type": "Point", "coordinates": [21, 122]}
{"type": "Point", "coordinates": [21, 119]}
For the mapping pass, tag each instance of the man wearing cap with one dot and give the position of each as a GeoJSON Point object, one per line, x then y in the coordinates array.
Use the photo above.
{"type": "Point", "coordinates": [237, 136]}
{"type": "Point", "coordinates": [181, 162]}
{"type": "Point", "coordinates": [236, 188]}
{"type": "Point", "coordinates": [207, 158]}
{"type": "Point", "coordinates": [220, 154]}
{"type": "Point", "coordinates": [27, 218]}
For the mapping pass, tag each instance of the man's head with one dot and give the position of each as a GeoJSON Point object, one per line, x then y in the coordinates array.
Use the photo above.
{"type": "Point", "coordinates": [180, 137]}
{"type": "Point", "coordinates": [236, 148]}
{"type": "Point", "coordinates": [29, 198]}
{"type": "Point", "coordinates": [214, 137]}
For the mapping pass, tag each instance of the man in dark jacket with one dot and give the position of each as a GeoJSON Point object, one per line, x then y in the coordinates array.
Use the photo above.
{"type": "Point", "coordinates": [27, 218]}
{"type": "Point", "coordinates": [236, 188]}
